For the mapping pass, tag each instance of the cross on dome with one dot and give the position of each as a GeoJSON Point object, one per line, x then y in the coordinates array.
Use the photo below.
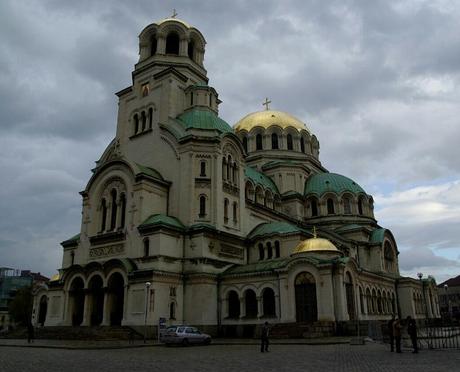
{"type": "Point", "coordinates": [174, 15]}
{"type": "Point", "coordinates": [266, 103]}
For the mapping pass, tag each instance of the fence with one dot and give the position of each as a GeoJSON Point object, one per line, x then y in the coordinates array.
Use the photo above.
{"type": "Point", "coordinates": [435, 334]}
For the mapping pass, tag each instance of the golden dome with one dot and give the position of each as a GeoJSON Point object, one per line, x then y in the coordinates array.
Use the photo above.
{"type": "Point", "coordinates": [174, 20]}
{"type": "Point", "coordinates": [55, 277]}
{"type": "Point", "coordinates": [267, 118]}
{"type": "Point", "coordinates": [315, 245]}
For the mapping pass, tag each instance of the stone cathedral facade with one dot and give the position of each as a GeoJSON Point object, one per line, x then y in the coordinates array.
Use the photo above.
{"type": "Point", "coordinates": [192, 220]}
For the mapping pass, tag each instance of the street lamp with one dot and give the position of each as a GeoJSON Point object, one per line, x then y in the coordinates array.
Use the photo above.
{"type": "Point", "coordinates": [147, 286]}
{"type": "Point", "coordinates": [420, 276]}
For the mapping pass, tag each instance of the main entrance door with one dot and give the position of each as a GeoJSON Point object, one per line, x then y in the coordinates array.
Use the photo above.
{"type": "Point", "coordinates": [305, 298]}
{"type": "Point", "coordinates": [116, 290]}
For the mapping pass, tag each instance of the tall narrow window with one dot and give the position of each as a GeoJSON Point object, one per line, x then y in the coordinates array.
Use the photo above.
{"type": "Point", "coordinates": [191, 98]}
{"type": "Point", "coordinates": [202, 206]}
{"type": "Point", "coordinates": [144, 120]}
{"type": "Point", "coordinates": [72, 258]}
{"type": "Point", "coordinates": [172, 311]}
{"type": "Point", "coordinates": [360, 206]}
{"type": "Point", "coordinates": [259, 142]}
{"type": "Point", "coordinates": [330, 206]}
{"type": "Point", "coordinates": [261, 251]}
{"type": "Point", "coordinates": [289, 142]}
{"type": "Point", "coordinates": [191, 49]}
{"type": "Point", "coordinates": [225, 210]}
{"type": "Point", "coordinates": [302, 145]}
{"type": "Point", "coordinates": [224, 168]}
{"type": "Point", "coordinates": [269, 250]}
{"type": "Point", "coordinates": [136, 123]}
{"type": "Point", "coordinates": [172, 43]}
{"type": "Point", "coordinates": [123, 209]}
{"type": "Point", "coordinates": [229, 168]}
{"type": "Point", "coordinates": [113, 218]}
{"type": "Point", "coordinates": [245, 143]}
{"type": "Point", "coordinates": [203, 169]}
{"type": "Point", "coordinates": [274, 141]}
{"type": "Point", "coordinates": [235, 210]}
{"type": "Point", "coordinates": [150, 117]}
{"type": "Point", "coordinates": [277, 248]}
{"type": "Point", "coordinates": [146, 247]}
{"type": "Point", "coordinates": [314, 207]}
{"type": "Point", "coordinates": [347, 205]}
{"type": "Point", "coordinates": [104, 214]}
{"type": "Point", "coordinates": [210, 100]}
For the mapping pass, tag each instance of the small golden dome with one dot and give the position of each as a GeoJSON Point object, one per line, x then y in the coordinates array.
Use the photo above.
{"type": "Point", "coordinates": [267, 118]}
{"type": "Point", "coordinates": [315, 245]}
{"type": "Point", "coordinates": [55, 277]}
{"type": "Point", "coordinates": [170, 19]}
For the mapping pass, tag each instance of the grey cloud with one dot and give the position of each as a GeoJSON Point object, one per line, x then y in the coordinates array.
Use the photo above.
{"type": "Point", "coordinates": [416, 258]}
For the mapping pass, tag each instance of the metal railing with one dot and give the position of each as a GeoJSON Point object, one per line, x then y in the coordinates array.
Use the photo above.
{"type": "Point", "coordinates": [437, 334]}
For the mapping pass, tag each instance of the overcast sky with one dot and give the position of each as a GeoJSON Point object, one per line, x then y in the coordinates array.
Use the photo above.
{"type": "Point", "coordinates": [376, 81]}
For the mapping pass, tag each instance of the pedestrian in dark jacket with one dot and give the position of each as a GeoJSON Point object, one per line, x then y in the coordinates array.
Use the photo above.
{"type": "Point", "coordinates": [390, 333]}
{"type": "Point", "coordinates": [264, 338]}
{"type": "Point", "coordinates": [412, 331]}
{"type": "Point", "coordinates": [397, 334]}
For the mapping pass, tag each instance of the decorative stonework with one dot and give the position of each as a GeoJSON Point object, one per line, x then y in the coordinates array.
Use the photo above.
{"type": "Point", "coordinates": [231, 251]}
{"type": "Point", "coordinates": [109, 250]}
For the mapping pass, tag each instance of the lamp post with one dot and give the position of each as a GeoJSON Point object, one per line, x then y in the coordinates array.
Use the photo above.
{"type": "Point", "coordinates": [147, 286]}
{"type": "Point", "coordinates": [420, 276]}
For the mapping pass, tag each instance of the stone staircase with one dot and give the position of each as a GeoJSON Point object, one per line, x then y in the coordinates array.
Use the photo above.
{"type": "Point", "coordinates": [80, 333]}
{"type": "Point", "coordinates": [303, 330]}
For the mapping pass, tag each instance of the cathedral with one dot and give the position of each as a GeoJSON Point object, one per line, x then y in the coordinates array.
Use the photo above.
{"type": "Point", "coordinates": [189, 220]}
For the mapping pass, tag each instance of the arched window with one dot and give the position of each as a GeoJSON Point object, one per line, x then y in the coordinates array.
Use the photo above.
{"type": "Point", "coordinates": [136, 123]}
{"type": "Point", "coordinates": [146, 247]}
{"type": "Point", "coordinates": [347, 205]}
{"type": "Point", "coordinates": [314, 207]}
{"type": "Point", "coordinates": [250, 300]}
{"type": "Point", "coordinates": [224, 168]}
{"type": "Point", "coordinates": [261, 252]}
{"type": "Point", "coordinates": [269, 250]}
{"type": "Point", "coordinates": [113, 218]}
{"type": "Point", "coordinates": [269, 302]}
{"type": "Point", "coordinates": [202, 206]}
{"type": "Point", "coordinates": [203, 169]}
{"type": "Point", "coordinates": [172, 43]}
{"type": "Point", "coordinates": [245, 143]}
{"type": "Point", "coordinates": [277, 248]}
{"type": "Point", "coordinates": [225, 210]}
{"type": "Point", "coordinates": [330, 206]}
{"type": "Point", "coordinates": [302, 145]}
{"type": "Point", "coordinates": [229, 168]}
{"type": "Point", "coordinates": [233, 305]}
{"type": "Point", "coordinates": [388, 257]}
{"type": "Point", "coordinates": [123, 210]}
{"type": "Point", "coordinates": [235, 210]}
{"type": "Point", "coordinates": [153, 45]}
{"type": "Point", "coordinates": [104, 214]}
{"type": "Point", "coordinates": [361, 300]}
{"type": "Point", "coordinates": [289, 142]}
{"type": "Point", "coordinates": [259, 142]}
{"type": "Point", "coordinates": [172, 310]}
{"type": "Point", "coordinates": [191, 49]}
{"type": "Point", "coordinates": [150, 117]}
{"type": "Point", "coordinates": [360, 206]}
{"type": "Point", "coordinates": [274, 141]}
{"type": "Point", "coordinates": [144, 120]}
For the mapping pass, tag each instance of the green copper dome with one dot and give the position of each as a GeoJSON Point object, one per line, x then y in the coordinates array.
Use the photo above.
{"type": "Point", "coordinates": [322, 183]}
{"type": "Point", "coordinates": [199, 118]}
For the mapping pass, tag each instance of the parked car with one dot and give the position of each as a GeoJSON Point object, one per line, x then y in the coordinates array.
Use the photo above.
{"type": "Point", "coordinates": [184, 335]}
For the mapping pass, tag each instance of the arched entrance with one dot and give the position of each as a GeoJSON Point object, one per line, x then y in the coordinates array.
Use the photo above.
{"type": "Point", "coordinates": [305, 298]}
{"type": "Point", "coordinates": [77, 301]}
{"type": "Point", "coordinates": [350, 294]}
{"type": "Point", "coordinates": [116, 293]}
{"type": "Point", "coordinates": [96, 298]}
{"type": "Point", "coordinates": [43, 307]}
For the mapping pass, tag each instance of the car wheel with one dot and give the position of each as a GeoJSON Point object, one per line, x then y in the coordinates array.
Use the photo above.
{"type": "Point", "coordinates": [185, 342]}
{"type": "Point", "coordinates": [207, 341]}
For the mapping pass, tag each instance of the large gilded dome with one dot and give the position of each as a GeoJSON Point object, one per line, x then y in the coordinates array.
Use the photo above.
{"type": "Point", "coordinates": [267, 118]}
{"type": "Point", "coordinates": [315, 245]}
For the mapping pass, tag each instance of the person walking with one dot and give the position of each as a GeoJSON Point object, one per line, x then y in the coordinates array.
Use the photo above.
{"type": "Point", "coordinates": [412, 331]}
{"type": "Point", "coordinates": [264, 338]}
{"type": "Point", "coordinates": [390, 332]}
{"type": "Point", "coordinates": [397, 334]}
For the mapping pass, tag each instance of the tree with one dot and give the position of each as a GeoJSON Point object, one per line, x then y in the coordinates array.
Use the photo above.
{"type": "Point", "coordinates": [20, 308]}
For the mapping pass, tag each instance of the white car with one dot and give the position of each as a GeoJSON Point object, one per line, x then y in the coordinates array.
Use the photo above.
{"type": "Point", "coordinates": [184, 335]}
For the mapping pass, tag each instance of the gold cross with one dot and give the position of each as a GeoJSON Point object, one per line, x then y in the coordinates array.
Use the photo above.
{"type": "Point", "coordinates": [266, 104]}
{"type": "Point", "coordinates": [174, 15]}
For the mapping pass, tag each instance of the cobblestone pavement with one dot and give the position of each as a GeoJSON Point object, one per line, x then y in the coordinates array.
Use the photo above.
{"type": "Point", "coordinates": [324, 358]}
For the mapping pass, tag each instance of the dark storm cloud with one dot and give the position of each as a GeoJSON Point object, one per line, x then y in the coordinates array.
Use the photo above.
{"type": "Point", "coordinates": [376, 81]}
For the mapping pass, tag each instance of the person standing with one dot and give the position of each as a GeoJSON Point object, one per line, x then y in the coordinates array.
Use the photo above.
{"type": "Point", "coordinates": [412, 331]}
{"type": "Point", "coordinates": [264, 338]}
{"type": "Point", "coordinates": [397, 334]}
{"type": "Point", "coordinates": [390, 332]}
{"type": "Point", "coordinates": [30, 333]}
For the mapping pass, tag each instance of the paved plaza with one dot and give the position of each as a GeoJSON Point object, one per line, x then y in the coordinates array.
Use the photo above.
{"type": "Point", "coordinates": [287, 357]}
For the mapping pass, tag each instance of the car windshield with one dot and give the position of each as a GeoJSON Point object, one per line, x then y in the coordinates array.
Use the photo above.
{"type": "Point", "coordinates": [171, 329]}
{"type": "Point", "coordinates": [180, 329]}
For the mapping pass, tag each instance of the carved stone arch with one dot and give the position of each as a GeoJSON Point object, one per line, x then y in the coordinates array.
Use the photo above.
{"type": "Point", "coordinates": [198, 38]}
{"type": "Point", "coordinates": [313, 202]}
{"type": "Point", "coordinates": [229, 289]}
{"type": "Point", "coordinates": [259, 195]}
{"type": "Point", "coordinates": [170, 141]}
{"type": "Point", "coordinates": [346, 200]}
{"type": "Point", "coordinates": [249, 190]}
{"type": "Point", "coordinates": [172, 26]}
{"type": "Point", "coordinates": [361, 206]}
{"type": "Point", "coordinates": [330, 199]}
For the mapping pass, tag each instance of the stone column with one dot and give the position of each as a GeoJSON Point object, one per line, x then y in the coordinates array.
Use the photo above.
{"type": "Point", "coordinates": [242, 307]}
{"type": "Point", "coordinates": [87, 309]}
{"type": "Point", "coordinates": [260, 307]}
{"type": "Point", "coordinates": [105, 310]}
